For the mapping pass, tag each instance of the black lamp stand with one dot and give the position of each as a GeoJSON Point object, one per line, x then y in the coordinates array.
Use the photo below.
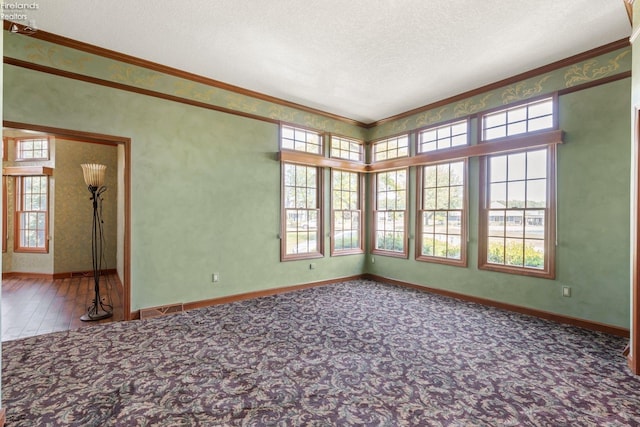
{"type": "Point", "coordinates": [99, 309]}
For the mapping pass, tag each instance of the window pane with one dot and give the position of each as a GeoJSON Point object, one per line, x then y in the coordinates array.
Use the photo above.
{"type": "Point", "coordinates": [498, 167]}
{"type": "Point", "coordinates": [494, 133]}
{"type": "Point", "coordinates": [442, 198]}
{"type": "Point", "coordinates": [300, 140]}
{"type": "Point", "coordinates": [390, 211]}
{"type": "Point", "coordinates": [514, 252]}
{"type": "Point", "coordinates": [454, 246]}
{"type": "Point", "coordinates": [516, 128]}
{"type": "Point", "coordinates": [516, 194]}
{"type": "Point", "coordinates": [443, 137]}
{"type": "Point", "coordinates": [534, 224]}
{"type": "Point", "coordinates": [456, 173]}
{"type": "Point", "coordinates": [391, 148]}
{"type": "Point", "coordinates": [542, 108]}
{"type": "Point", "coordinates": [428, 222]}
{"type": "Point", "coordinates": [517, 114]}
{"type": "Point", "coordinates": [534, 253]}
{"type": "Point", "coordinates": [495, 119]}
{"type": "Point", "coordinates": [430, 173]}
{"type": "Point", "coordinates": [495, 250]}
{"type": "Point", "coordinates": [496, 223]}
{"type": "Point", "coordinates": [530, 117]}
{"type": "Point", "coordinates": [346, 214]}
{"type": "Point", "coordinates": [517, 166]}
{"type": "Point", "coordinates": [522, 225]}
{"type": "Point", "coordinates": [537, 164]}
{"type": "Point", "coordinates": [456, 197]}
{"type": "Point", "coordinates": [537, 193]}
{"type": "Point", "coordinates": [540, 123]}
{"type": "Point", "coordinates": [346, 148]}
{"type": "Point", "coordinates": [300, 204]}
{"type": "Point", "coordinates": [514, 224]}
{"type": "Point", "coordinates": [440, 219]}
{"type": "Point", "coordinates": [428, 245]}
{"type": "Point", "coordinates": [429, 200]}
{"type": "Point", "coordinates": [498, 194]}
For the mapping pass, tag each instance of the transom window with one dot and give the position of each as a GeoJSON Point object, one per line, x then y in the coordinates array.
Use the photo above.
{"type": "Point", "coordinates": [345, 148]}
{"type": "Point", "coordinates": [524, 118]}
{"type": "Point", "coordinates": [31, 214]}
{"type": "Point", "coordinates": [391, 148]}
{"type": "Point", "coordinates": [441, 137]}
{"type": "Point", "coordinates": [442, 213]}
{"type": "Point", "coordinates": [300, 140]}
{"type": "Point", "coordinates": [32, 149]}
{"type": "Point", "coordinates": [347, 213]}
{"type": "Point", "coordinates": [301, 202]}
{"type": "Point", "coordinates": [390, 215]}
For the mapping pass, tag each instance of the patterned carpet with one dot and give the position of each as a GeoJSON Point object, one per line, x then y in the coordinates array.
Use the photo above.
{"type": "Point", "coordinates": [355, 353]}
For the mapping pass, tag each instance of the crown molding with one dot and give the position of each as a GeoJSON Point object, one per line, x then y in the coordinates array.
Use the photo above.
{"type": "Point", "coordinates": [106, 53]}
{"type": "Point", "coordinates": [610, 47]}
{"type": "Point", "coordinates": [132, 60]}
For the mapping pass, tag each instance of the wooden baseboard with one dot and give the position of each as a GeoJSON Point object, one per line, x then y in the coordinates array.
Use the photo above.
{"type": "Point", "coordinates": [256, 294]}
{"type": "Point", "coordinates": [54, 276]}
{"type": "Point", "coordinates": [559, 318]}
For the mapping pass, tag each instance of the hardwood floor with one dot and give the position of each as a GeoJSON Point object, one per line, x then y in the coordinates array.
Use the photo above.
{"type": "Point", "coordinates": [39, 306]}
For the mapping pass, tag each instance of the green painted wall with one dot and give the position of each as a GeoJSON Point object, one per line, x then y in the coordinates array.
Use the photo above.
{"type": "Point", "coordinates": [205, 190]}
{"type": "Point", "coordinates": [205, 193]}
{"type": "Point", "coordinates": [593, 228]}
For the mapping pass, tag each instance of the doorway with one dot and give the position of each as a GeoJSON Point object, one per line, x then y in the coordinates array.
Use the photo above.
{"type": "Point", "coordinates": [122, 146]}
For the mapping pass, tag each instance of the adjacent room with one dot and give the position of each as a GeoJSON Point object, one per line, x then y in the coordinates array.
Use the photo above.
{"type": "Point", "coordinates": [320, 213]}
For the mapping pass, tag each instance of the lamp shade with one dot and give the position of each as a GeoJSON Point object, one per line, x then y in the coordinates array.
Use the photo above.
{"type": "Point", "coordinates": [93, 174]}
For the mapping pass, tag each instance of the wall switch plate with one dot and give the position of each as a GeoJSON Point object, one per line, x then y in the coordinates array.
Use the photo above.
{"type": "Point", "coordinates": [312, 266]}
{"type": "Point", "coordinates": [566, 291]}
{"type": "Point", "coordinates": [215, 277]}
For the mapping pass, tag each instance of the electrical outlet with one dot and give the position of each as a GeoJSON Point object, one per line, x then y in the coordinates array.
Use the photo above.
{"type": "Point", "coordinates": [215, 277]}
{"type": "Point", "coordinates": [373, 260]}
{"type": "Point", "coordinates": [566, 291]}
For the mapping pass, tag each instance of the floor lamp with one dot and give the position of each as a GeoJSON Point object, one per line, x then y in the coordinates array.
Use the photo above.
{"type": "Point", "coordinates": [94, 178]}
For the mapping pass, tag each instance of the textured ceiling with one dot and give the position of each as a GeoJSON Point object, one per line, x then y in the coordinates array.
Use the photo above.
{"type": "Point", "coordinates": [362, 59]}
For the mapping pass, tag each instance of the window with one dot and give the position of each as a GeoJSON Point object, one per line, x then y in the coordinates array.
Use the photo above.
{"type": "Point", "coordinates": [302, 214]}
{"type": "Point", "coordinates": [524, 118]}
{"type": "Point", "coordinates": [519, 213]}
{"type": "Point", "coordinates": [442, 213]}
{"type": "Point", "coordinates": [31, 214]}
{"type": "Point", "coordinates": [345, 148]}
{"type": "Point", "coordinates": [517, 191]}
{"type": "Point", "coordinates": [441, 137]}
{"type": "Point", "coordinates": [390, 213]}
{"type": "Point", "coordinates": [32, 149]}
{"type": "Point", "coordinates": [300, 140]}
{"type": "Point", "coordinates": [347, 213]}
{"type": "Point", "coordinates": [391, 148]}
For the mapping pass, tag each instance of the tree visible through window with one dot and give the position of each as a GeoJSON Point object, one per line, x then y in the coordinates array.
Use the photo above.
{"type": "Point", "coordinates": [346, 205]}
{"type": "Point", "coordinates": [301, 210]}
{"type": "Point", "coordinates": [517, 209]}
{"type": "Point", "coordinates": [390, 215]}
{"type": "Point", "coordinates": [442, 212]}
